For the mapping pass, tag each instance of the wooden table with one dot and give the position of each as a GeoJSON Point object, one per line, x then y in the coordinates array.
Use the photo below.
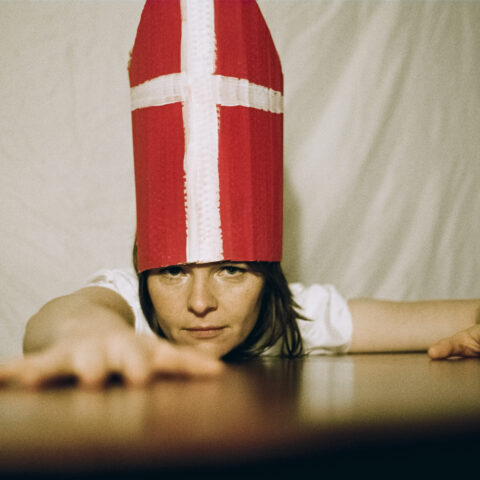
{"type": "Point", "coordinates": [342, 415]}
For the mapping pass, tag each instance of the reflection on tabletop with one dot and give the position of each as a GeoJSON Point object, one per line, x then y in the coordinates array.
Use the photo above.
{"type": "Point", "coordinates": [257, 411]}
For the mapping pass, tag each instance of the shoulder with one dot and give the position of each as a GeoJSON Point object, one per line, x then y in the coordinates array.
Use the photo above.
{"type": "Point", "coordinates": [311, 298]}
{"type": "Point", "coordinates": [116, 279]}
{"type": "Point", "coordinates": [123, 281]}
{"type": "Point", "coordinates": [328, 326]}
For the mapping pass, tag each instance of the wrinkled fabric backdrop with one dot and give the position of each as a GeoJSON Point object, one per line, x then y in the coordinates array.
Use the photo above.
{"type": "Point", "coordinates": [382, 147]}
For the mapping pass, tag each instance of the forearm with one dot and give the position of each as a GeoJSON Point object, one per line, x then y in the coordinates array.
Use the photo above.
{"type": "Point", "coordinates": [90, 311]}
{"type": "Point", "coordinates": [383, 326]}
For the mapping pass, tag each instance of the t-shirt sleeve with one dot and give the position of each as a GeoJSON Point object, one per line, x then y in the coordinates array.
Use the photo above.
{"type": "Point", "coordinates": [125, 283]}
{"type": "Point", "coordinates": [328, 328]}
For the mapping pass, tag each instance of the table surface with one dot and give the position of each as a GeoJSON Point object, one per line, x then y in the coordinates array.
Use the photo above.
{"type": "Point", "coordinates": [272, 412]}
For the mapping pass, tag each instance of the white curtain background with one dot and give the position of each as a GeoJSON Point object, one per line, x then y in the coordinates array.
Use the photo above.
{"type": "Point", "coordinates": [382, 147]}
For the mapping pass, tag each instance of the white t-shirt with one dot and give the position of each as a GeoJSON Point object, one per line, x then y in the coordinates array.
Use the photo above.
{"type": "Point", "coordinates": [328, 330]}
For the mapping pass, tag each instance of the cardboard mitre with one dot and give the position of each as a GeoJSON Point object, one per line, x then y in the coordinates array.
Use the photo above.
{"type": "Point", "coordinates": [207, 95]}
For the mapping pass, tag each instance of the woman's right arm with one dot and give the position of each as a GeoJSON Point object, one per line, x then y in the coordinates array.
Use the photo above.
{"type": "Point", "coordinates": [89, 336]}
{"type": "Point", "coordinates": [88, 311]}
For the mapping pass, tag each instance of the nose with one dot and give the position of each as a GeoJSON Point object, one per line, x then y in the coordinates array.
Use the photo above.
{"type": "Point", "coordinates": [202, 299]}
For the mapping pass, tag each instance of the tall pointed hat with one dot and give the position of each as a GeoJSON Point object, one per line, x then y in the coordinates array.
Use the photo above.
{"type": "Point", "coordinates": [207, 89]}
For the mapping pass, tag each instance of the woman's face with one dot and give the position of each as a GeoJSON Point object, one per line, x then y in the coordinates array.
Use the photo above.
{"type": "Point", "coordinates": [212, 306]}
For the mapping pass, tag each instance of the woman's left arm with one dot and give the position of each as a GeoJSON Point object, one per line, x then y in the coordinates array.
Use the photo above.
{"type": "Point", "coordinates": [445, 327]}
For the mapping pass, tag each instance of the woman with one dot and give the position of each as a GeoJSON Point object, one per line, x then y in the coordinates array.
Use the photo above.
{"type": "Point", "coordinates": [205, 312]}
{"type": "Point", "coordinates": [207, 137]}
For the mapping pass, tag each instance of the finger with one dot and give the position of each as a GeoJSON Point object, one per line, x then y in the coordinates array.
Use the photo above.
{"type": "Point", "coordinates": [169, 359]}
{"type": "Point", "coordinates": [442, 349]}
{"type": "Point", "coordinates": [9, 371]}
{"type": "Point", "coordinates": [90, 366]}
{"type": "Point", "coordinates": [129, 357]}
{"type": "Point", "coordinates": [136, 367]}
{"type": "Point", "coordinates": [36, 370]}
{"type": "Point", "coordinates": [471, 343]}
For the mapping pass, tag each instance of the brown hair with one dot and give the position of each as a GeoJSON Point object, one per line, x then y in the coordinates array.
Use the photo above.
{"type": "Point", "coordinates": [277, 319]}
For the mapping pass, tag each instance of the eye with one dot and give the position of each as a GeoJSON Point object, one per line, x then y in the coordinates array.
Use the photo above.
{"type": "Point", "coordinates": [172, 271]}
{"type": "Point", "coordinates": [232, 270]}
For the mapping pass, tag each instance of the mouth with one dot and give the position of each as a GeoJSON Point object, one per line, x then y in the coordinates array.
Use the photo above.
{"type": "Point", "coordinates": [205, 332]}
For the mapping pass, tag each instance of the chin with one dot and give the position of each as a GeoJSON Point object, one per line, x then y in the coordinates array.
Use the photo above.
{"type": "Point", "coordinates": [217, 351]}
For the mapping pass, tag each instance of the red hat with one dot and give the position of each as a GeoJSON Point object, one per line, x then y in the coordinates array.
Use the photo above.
{"type": "Point", "coordinates": [207, 94]}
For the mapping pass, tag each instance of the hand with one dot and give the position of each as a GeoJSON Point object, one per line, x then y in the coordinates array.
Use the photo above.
{"type": "Point", "coordinates": [91, 361]}
{"type": "Point", "coordinates": [463, 344]}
